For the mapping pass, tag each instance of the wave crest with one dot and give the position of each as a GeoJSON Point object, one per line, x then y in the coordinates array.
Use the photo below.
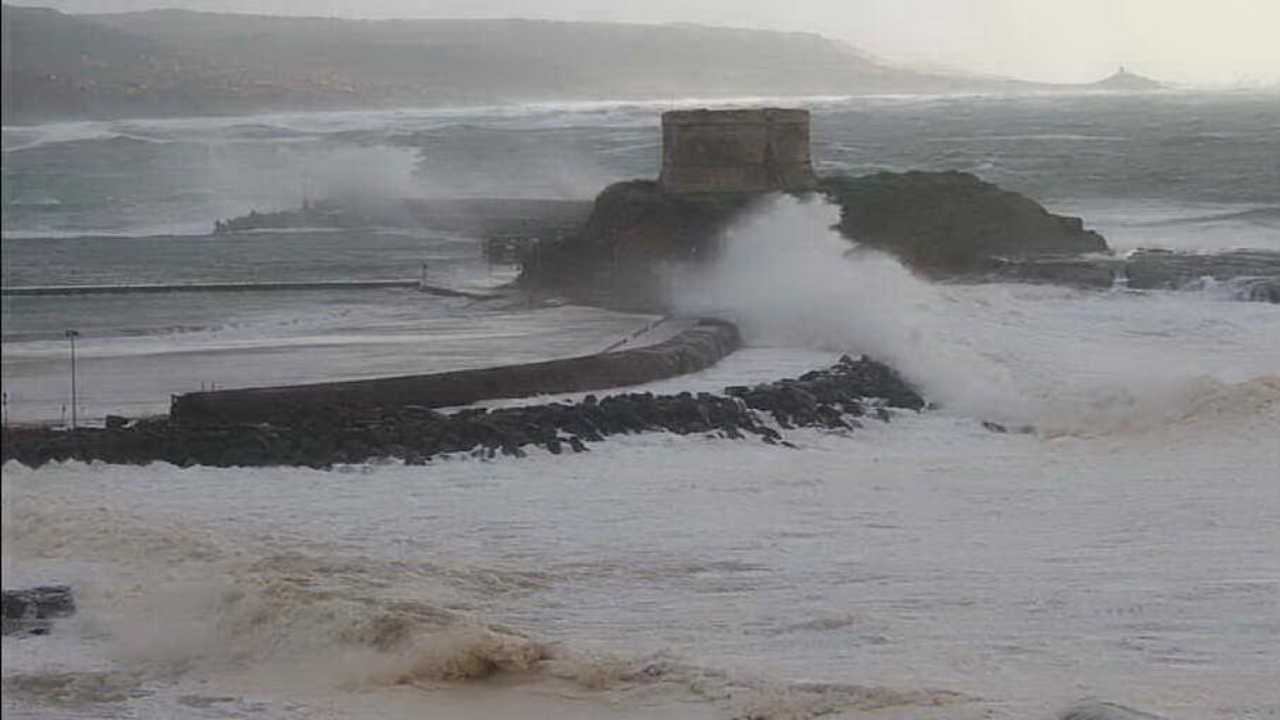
{"type": "Point", "coordinates": [1065, 360]}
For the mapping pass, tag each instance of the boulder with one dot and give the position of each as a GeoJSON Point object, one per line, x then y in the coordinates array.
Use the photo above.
{"type": "Point", "coordinates": [28, 611]}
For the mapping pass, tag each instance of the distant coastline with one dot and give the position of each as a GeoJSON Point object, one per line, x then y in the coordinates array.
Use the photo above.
{"type": "Point", "coordinates": [169, 63]}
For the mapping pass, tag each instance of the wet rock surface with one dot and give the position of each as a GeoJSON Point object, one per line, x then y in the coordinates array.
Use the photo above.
{"type": "Point", "coordinates": [947, 222]}
{"type": "Point", "coordinates": [939, 223]}
{"type": "Point", "coordinates": [635, 230]}
{"type": "Point", "coordinates": [1252, 275]}
{"type": "Point", "coordinates": [28, 611]}
{"type": "Point", "coordinates": [835, 398]}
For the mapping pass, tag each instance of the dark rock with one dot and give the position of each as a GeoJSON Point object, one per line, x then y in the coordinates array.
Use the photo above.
{"type": "Point", "coordinates": [994, 427]}
{"type": "Point", "coordinates": [633, 231]}
{"type": "Point", "coordinates": [1160, 269]}
{"type": "Point", "coordinates": [27, 611]}
{"type": "Point", "coordinates": [947, 222]}
{"type": "Point", "coordinates": [1095, 710]}
{"type": "Point", "coordinates": [1262, 290]}
{"type": "Point", "coordinates": [1252, 275]}
{"type": "Point", "coordinates": [941, 223]}
{"type": "Point", "coordinates": [1098, 273]}
{"type": "Point", "coordinates": [353, 433]}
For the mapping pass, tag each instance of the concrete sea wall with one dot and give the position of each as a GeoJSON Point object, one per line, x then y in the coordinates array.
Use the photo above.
{"type": "Point", "coordinates": [689, 351]}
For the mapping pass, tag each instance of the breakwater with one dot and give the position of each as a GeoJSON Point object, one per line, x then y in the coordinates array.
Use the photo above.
{"type": "Point", "coordinates": [160, 288]}
{"type": "Point", "coordinates": [476, 217]}
{"type": "Point", "coordinates": [835, 398]}
{"type": "Point", "coordinates": [695, 348]}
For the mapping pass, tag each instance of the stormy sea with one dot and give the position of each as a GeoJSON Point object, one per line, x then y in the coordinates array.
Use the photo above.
{"type": "Point", "coordinates": [1122, 549]}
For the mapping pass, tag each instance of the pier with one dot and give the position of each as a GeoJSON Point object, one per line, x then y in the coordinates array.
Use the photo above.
{"type": "Point", "coordinates": [155, 288]}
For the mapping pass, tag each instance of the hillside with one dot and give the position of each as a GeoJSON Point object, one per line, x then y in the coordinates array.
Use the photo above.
{"type": "Point", "coordinates": [183, 62]}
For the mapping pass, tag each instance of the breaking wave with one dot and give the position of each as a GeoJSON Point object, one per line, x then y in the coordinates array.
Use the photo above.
{"type": "Point", "coordinates": [1062, 360]}
{"type": "Point", "coordinates": [172, 600]}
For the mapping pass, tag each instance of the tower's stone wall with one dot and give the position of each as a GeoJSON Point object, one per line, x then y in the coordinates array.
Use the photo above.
{"type": "Point", "coordinates": [757, 150]}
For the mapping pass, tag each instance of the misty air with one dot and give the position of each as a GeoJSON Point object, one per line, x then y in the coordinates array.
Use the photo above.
{"type": "Point", "coordinates": [439, 359]}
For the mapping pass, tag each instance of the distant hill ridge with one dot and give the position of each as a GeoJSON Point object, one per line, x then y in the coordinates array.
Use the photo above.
{"type": "Point", "coordinates": [181, 62]}
{"type": "Point", "coordinates": [167, 62]}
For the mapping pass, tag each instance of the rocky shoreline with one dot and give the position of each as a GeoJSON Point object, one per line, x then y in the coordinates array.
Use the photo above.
{"type": "Point", "coordinates": [946, 226]}
{"type": "Point", "coordinates": [835, 398]}
{"type": "Point", "coordinates": [1250, 275]}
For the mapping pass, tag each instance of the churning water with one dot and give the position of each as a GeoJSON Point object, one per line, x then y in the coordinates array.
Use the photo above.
{"type": "Point", "coordinates": [924, 568]}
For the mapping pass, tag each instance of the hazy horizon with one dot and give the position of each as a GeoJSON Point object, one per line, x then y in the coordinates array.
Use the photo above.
{"type": "Point", "coordinates": [1227, 42]}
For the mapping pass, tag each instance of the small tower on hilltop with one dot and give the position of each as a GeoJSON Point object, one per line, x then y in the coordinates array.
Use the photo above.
{"type": "Point", "coordinates": [736, 151]}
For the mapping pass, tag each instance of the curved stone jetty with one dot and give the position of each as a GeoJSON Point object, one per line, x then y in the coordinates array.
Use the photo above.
{"type": "Point", "coordinates": [165, 288]}
{"type": "Point", "coordinates": [695, 348]}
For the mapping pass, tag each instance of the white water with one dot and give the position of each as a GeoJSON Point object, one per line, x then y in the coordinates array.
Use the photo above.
{"type": "Point", "coordinates": [923, 568]}
{"type": "Point", "coordinates": [927, 568]}
{"type": "Point", "coordinates": [1061, 359]}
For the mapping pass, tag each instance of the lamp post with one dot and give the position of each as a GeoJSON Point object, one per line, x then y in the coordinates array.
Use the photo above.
{"type": "Point", "coordinates": [71, 337]}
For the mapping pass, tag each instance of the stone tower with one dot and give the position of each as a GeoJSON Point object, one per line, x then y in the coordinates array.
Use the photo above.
{"type": "Point", "coordinates": [757, 150]}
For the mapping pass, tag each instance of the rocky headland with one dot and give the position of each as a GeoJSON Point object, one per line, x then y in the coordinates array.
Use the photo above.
{"type": "Point", "coordinates": [947, 226]}
{"type": "Point", "coordinates": [943, 225]}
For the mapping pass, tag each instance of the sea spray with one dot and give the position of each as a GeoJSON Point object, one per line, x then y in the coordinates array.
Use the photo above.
{"type": "Point", "coordinates": [1063, 360]}
{"type": "Point", "coordinates": [788, 279]}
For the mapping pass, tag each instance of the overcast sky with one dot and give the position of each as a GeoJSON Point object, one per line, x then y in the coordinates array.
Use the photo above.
{"type": "Point", "coordinates": [1187, 41]}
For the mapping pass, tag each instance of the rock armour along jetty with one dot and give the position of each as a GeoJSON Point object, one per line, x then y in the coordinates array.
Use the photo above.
{"type": "Point", "coordinates": [834, 398]}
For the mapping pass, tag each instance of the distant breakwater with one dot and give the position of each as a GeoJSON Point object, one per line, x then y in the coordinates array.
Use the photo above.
{"type": "Point", "coordinates": [834, 398]}
{"type": "Point", "coordinates": [161, 288]}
